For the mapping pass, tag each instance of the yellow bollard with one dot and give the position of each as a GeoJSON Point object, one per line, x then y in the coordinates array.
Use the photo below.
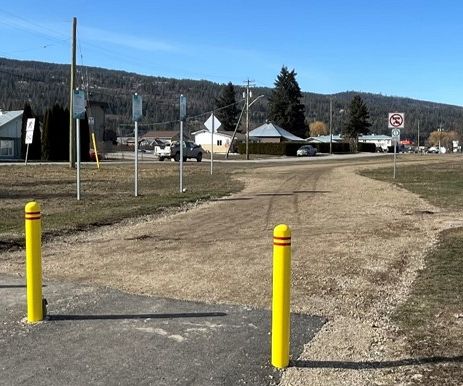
{"type": "Point", "coordinates": [281, 295]}
{"type": "Point", "coordinates": [33, 262]}
{"type": "Point", "coordinates": [96, 152]}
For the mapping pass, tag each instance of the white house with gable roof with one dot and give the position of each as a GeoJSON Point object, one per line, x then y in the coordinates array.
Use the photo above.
{"type": "Point", "coordinates": [10, 134]}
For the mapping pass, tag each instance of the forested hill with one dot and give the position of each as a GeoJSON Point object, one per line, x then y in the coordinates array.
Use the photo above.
{"type": "Point", "coordinates": [43, 84]}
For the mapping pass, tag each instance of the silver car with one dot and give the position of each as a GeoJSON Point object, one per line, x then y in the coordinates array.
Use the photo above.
{"type": "Point", "coordinates": [306, 150]}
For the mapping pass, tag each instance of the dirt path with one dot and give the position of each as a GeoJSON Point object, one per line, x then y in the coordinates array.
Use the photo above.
{"type": "Point", "coordinates": [357, 244]}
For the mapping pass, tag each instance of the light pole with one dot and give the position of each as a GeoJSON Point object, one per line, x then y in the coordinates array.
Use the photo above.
{"type": "Point", "coordinates": [248, 105]}
{"type": "Point", "coordinates": [331, 126]}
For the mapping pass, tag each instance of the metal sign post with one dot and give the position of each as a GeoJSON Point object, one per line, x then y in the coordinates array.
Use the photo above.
{"type": "Point", "coordinates": [29, 134]}
{"type": "Point", "coordinates": [137, 113]}
{"type": "Point", "coordinates": [78, 114]}
{"type": "Point", "coordinates": [182, 118]}
{"type": "Point", "coordinates": [212, 124]}
{"type": "Point", "coordinates": [396, 121]}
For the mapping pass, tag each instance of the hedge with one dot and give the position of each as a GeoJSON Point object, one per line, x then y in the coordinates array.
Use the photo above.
{"type": "Point", "coordinates": [290, 148]}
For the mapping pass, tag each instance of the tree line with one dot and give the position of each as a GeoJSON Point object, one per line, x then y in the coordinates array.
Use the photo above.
{"type": "Point", "coordinates": [43, 85]}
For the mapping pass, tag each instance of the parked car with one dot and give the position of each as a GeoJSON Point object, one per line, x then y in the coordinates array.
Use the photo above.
{"type": "Point", "coordinates": [190, 150]}
{"type": "Point", "coordinates": [306, 150]}
{"type": "Point", "coordinates": [433, 149]}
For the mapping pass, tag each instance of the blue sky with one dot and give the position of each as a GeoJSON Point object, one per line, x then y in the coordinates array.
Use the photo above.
{"type": "Point", "coordinates": [410, 48]}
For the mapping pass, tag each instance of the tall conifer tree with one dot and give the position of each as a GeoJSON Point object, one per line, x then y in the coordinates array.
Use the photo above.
{"type": "Point", "coordinates": [358, 121]}
{"type": "Point", "coordinates": [286, 109]}
{"type": "Point", "coordinates": [229, 111]}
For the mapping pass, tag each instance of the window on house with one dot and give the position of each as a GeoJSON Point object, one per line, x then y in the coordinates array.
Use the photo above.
{"type": "Point", "coordinates": [6, 148]}
{"type": "Point", "coordinates": [219, 142]}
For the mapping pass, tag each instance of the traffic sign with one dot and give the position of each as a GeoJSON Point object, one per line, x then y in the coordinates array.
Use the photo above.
{"type": "Point", "coordinates": [208, 123]}
{"type": "Point", "coordinates": [182, 107]}
{"type": "Point", "coordinates": [137, 107]}
{"type": "Point", "coordinates": [396, 133]}
{"type": "Point", "coordinates": [30, 130]}
{"type": "Point", "coordinates": [78, 103]}
{"type": "Point", "coordinates": [396, 120]}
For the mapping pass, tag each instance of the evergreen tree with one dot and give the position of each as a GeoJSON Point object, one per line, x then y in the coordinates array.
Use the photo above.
{"type": "Point", "coordinates": [35, 148]}
{"type": "Point", "coordinates": [229, 111]}
{"type": "Point", "coordinates": [55, 138]}
{"type": "Point", "coordinates": [84, 139]}
{"type": "Point", "coordinates": [358, 121]}
{"type": "Point", "coordinates": [46, 137]}
{"type": "Point", "coordinates": [286, 109]}
{"type": "Point", "coordinates": [27, 113]}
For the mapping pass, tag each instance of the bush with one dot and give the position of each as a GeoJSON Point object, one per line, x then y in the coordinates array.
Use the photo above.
{"type": "Point", "coordinates": [290, 148]}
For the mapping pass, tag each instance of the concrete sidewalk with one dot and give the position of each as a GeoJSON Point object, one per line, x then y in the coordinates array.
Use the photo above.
{"type": "Point", "coordinates": [103, 336]}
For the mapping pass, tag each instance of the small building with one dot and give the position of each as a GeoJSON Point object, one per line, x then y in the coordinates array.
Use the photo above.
{"type": "Point", "coordinates": [222, 139]}
{"type": "Point", "coordinates": [382, 142]}
{"type": "Point", "coordinates": [324, 139]}
{"type": "Point", "coordinates": [271, 132]}
{"type": "Point", "coordinates": [10, 134]}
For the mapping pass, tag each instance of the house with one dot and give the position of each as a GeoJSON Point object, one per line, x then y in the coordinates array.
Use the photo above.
{"type": "Point", "coordinates": [222, 139]}
{"type": "Point", "coordinates": [10, 134]}
{"type": "Point", "coordinates": [271, 132]}
{"type": "Point", "coordinates": [382, 142]}
{"type": "Point", "coordinates": [324, 139]}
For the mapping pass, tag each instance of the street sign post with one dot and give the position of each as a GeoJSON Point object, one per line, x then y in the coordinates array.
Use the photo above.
{"type": "Point", "coordinates": [29, 134]}
{"type": "Point", "coordinates": [78, 113]}
{"type": "Point", "coordinates": [137, 114]}
{"type": "Point", "coordinates": [212, 124]}
{"type": "Point", "coordinates": [396, 121]}
{"type": "Point", "coordinates": [182, 118]}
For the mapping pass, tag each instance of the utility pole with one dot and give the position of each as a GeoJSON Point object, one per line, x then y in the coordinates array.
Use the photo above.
{"type": "Point", "coordinates": [331, 126]}
{"type": "Point", "coordinates": [248, 95]}
{"type": "Point", "coordinates": [418, 135]}
{"type": "Point", "coordinates": [72, 127]}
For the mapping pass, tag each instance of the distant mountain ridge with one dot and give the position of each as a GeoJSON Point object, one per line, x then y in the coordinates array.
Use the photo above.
{"type": "Point", "coordinates": [43, 84]}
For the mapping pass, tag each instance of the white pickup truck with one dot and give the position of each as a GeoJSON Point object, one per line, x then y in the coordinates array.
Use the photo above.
{"type": "Point", "coordinates": [190, 150]}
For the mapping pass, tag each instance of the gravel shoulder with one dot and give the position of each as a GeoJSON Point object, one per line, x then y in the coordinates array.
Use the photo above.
{"type": "Point", "coordinates": [357, 245]}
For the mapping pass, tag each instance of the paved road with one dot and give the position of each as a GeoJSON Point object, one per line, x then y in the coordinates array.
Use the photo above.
{"type": "Point", "coordinates": [100, 336]}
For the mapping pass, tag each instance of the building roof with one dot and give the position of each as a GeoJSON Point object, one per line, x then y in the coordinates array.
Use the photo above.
{"type": "Point", "coordinates": [271, 130]}
{"type": "Point", "coordinates": [324, 139]}
{"type": "Point", "coordinates": [374, 137]}
{"type": "Point", "coordinates": [160, 134]}
{"type": "Point", "coordinates": [8, 116]}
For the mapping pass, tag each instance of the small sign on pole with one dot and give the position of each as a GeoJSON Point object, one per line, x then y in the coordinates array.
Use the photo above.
{"type": "Point", "coordinates": [137, 114]}
{"type": "Point", "coordinates": [137, 107]}
{"type": "Point", "coordinates": [396, 120]}
{"type": "Point", "coordinates": [78, 111]}
{"type": "Point", "coordinates": [29, 134]}
{"type": "Point", "coordinates": [30, 130]}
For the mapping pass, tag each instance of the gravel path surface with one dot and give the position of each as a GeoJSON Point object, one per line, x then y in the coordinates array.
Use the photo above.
{"type": "Point", "coordinates": [357, 245]}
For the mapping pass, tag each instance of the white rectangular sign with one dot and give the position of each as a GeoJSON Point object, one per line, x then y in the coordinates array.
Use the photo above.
{"type": "Point", "coordinates": [30, 130]}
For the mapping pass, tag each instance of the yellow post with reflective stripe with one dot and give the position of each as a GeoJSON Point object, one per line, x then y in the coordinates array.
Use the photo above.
{"type": "Point", "coordinates": [281, 295]}
{"type": "Point", "coordinates": [33, 262]}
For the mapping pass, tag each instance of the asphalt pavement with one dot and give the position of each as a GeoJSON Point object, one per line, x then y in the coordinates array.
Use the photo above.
{"type": "Point", "coordinates": [100, 336]}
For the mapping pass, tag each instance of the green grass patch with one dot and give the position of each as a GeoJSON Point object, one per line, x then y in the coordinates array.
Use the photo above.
{"type": "Point", "coordinates": [432, 316]}
{"type": "Point", "coordinates": [107, 195]}
{"type": "Point", "coordinates": [439, 183]}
